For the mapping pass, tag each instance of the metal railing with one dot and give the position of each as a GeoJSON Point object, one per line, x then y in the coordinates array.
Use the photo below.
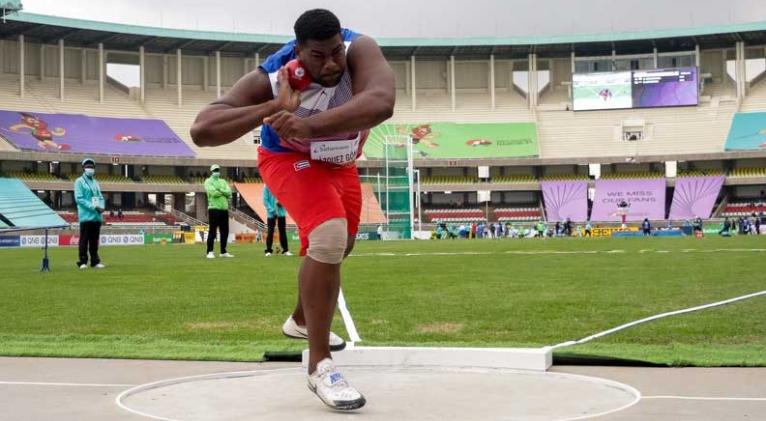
{"type": "Point", "coordinates": [246, 219]}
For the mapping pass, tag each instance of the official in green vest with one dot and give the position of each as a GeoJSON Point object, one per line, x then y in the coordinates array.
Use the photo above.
{"type": "Point", "coordinates": [218, 195]}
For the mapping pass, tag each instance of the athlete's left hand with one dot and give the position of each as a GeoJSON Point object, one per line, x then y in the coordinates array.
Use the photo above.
{"type": "Point", "coordinates": [289, 126]}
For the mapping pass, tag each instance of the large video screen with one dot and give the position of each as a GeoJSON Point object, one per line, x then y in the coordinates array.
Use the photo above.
{"type": "Point", "coordinates": [602, 91]}
{"type": "Point", "coordinates": [636, 89]}
{"type": "Point", "coordinates": [665, 87]}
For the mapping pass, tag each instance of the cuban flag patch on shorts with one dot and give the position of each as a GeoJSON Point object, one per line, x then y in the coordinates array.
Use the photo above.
{"type": "Point", "coordinates": [301, 165]}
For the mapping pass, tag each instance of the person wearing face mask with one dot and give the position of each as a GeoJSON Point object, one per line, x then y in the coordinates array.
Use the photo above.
{"type": "Point", "coordinates": [90, 206]}
{"type": "Point", "coordinates": [218, 195]}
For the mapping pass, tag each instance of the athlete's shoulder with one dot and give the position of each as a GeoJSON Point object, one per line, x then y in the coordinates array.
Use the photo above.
{"type": "Point", "coordinates": [349, 35]}
{"type": "Point", "coordinates": [287, 52]}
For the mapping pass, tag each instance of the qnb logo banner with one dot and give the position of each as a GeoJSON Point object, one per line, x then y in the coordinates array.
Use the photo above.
{"type": "Point", "coordinates": [644, 198]}
{"type": "Point", "coordinates": [121, 239]}
{"type": "Point", "coordinates": [695, 197]}
{"type": "Point", "coordinates": [39, 241]}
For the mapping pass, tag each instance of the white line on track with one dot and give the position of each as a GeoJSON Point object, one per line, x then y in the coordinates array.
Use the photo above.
{"type": "Point", "coordinates": [704, 398]}
{"type": "Point", "coordinates": [557, 252]}
{"type": "Point", "coordinates": [53, 384]}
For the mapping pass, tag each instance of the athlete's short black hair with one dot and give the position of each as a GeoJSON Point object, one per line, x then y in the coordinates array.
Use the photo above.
{"type": "Point", "coordinates": [316, 24]}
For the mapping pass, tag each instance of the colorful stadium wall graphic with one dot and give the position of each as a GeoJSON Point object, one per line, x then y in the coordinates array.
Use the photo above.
{"type": "Point", "coordinates": [748, 132]}
{"type": "Point", "coordinates": [645, 198]}
{"type": "Point", "coordinates": [78, 133]}
{"type": "Point", "coordinates": [453, 140]}
{"type": "Point", "coordinates": [565, 200]}
{"type": "Point", "coordinates": [695, 196]}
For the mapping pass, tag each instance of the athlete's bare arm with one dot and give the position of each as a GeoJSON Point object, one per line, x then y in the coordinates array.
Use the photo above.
{"type": "Point", "coordinates": [242, 109]}
{"type": "Point", "coordinates": [372, 103]}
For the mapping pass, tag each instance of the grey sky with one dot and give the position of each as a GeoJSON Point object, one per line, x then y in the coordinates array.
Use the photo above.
{"type": "Point", "coordinates": [417, 18]}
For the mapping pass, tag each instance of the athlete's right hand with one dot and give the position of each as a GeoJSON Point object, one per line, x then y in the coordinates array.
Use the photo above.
{"type": "Point", "coordinates": [287, 99]}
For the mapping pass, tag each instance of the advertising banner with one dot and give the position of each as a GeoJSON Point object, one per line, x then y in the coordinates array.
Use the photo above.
{"type": "Point", "coordinates": [565, 199]}
{"type": "Point", "coordinates": [79, 133]}
{"type": "Point", "coordinates": [39, 241]}
{"type": "Point", "coordinates": [158, 238]}
{"type": "Point", "coordinates": [695, 197]}
{"type": "Point", "coordinates": [121, 240]}
{"type": "Point", "coordinates": [645, 198]}
{"type": "Point", "coordinates": [10, 241]}
{"type": "Point", "coordinates": [455, 140]}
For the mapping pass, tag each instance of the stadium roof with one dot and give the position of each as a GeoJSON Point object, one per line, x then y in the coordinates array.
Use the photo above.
{"type": "Point", "coordinates": [49, 29]}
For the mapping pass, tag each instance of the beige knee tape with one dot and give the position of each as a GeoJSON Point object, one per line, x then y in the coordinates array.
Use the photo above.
{"type": "Point", "coordinates": [327, 242]}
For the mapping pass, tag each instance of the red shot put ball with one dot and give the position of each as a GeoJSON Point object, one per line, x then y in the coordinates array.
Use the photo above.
{"type": "Point", "coordinates": [299, 77]}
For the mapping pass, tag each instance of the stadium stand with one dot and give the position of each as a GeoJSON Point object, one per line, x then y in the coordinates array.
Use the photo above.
{"type": "Point", "coordinates": [449, 179]}
{"type": "Point", "coordinates": [517, 214]}
{"type": "Point", "coordinates": [163, 179]}
{"type": "Point", "coordinates": [629, 175]}
{"type": "Point", "coordinates": [509, 179]}
{"type": "Point", "coordinates": [31, 176]}
{"type": "Point", "coordinates": [702, 172]}
{"type": "Point", "coordinates": [455, 215]}
{"type": "Point", "coordinates": [748, 172]}
{"type": "Point", "coordinates": [134, 218]}
{"type": "Point", "coordinates": [744, 208]}
{"type": "Point", "coordinates": [563, 177]}
{"type": "Point", "coordinates": [565, 139]}
{"type": "Point", "coordinates": [103, 178]}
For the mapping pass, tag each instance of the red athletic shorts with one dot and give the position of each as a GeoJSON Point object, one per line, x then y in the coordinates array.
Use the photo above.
{"type": "Point", "coordinates": [312, 192]}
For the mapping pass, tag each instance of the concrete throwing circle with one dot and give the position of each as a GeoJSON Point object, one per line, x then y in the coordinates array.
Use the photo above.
{"type": "Point", "coordinates": [392, 394]}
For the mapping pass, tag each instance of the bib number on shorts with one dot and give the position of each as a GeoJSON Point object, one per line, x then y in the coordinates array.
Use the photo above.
{"type": "Point", "coordinates": [335, 152]}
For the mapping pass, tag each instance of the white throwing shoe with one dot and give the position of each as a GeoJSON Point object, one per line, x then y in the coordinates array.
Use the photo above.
{"type": "Point", "coordinates": [287, 253]}
{"type": "Point", "coordinates": [227, 255]}
{"type": "Point", "coordinates": [83, 266]}
{"type": "Point", "coordinates": [294, 331]}
{"type": "Point", "coordinates": [330, 386]}
{"type": "Point", "coordinates": [268, 254]}
{"type": "Point", "coordinates": [210, 255]}
{"type": "Point", "coordinates": [100, 266]}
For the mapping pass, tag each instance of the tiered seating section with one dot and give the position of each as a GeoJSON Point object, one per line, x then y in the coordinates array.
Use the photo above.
{"type": "Point", "coordinates": [103, 178]}
{"type": "Point", "coordinates": [455, 215]}
{"type": "Point", "coordinates": [449, 179]}
{"type": "Point", "coordinates": [163, 179]}
{"type": "Point", "coordinates": [510, 179]}
{"type": "Point", "coordinates": [517, 214]}
{"type": "Point", "coordinates": [129, 218]}
{"type": "Point", "coordinates": [30, 176]}
{"type": "Point", "coordinates": [744, 208]}
{"type": "Point", "coordinates": [637, 174]}
{"type": "Point", "coordinates": [748, 172]}
{"type": "Point", "coordinates": [564, 177]}
{"type": "Point", "coordinates": [700, 173]}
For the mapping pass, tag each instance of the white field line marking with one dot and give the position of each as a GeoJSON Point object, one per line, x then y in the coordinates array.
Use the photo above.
{"type": "Point", "coordinates": [347, 320]}
{"type": "Point", "coordinates": [557, 252]}
{"type": "Point", "coordinates": [659, 316]}
{"type": "Point", "coordinates": [119, 400]}
{"type": "Point", "coordinates": [54, 384]}
{"type": "Point", "coordinates": [705, 398]}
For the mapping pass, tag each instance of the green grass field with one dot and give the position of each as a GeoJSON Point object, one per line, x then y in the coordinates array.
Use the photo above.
{"type": "Point", "coordinates": [169, 302]}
